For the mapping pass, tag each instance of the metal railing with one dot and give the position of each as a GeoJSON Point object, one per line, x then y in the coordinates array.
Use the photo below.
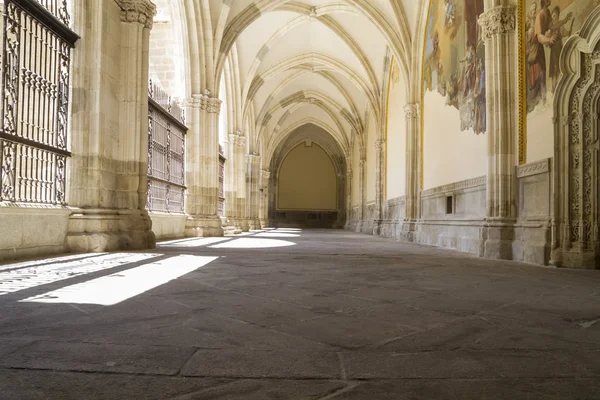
{"type": "Point", "coordinates": [166, 152]}
{"type": "Point", "coordinates": [35, 73]}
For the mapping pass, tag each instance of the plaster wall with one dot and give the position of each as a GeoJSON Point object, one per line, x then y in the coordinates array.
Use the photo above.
{"type": "Point", "coordinates": [396, 137]}
{"type": "Point", "coordinates": [450, 155]}
{"type": "Point", "coordinates": [307, 180]}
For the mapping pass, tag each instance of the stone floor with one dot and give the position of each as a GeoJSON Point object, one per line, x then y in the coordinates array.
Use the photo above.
{"type": "Point", "coordinates": [294, 314]}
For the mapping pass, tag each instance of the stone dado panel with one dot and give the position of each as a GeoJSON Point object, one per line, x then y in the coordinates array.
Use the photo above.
{"type": "Point", "coordinates": [30, 232]}
{"type": "Point", "coordinates": [460, 229]}
{"type": "Point", "coordinates": [394, 212]}
{"type": "Point", "coordinates": [535, 212]}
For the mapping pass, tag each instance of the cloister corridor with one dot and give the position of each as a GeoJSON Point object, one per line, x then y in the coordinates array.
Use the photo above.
{"type": "Point", "coordinates": [296, 314]}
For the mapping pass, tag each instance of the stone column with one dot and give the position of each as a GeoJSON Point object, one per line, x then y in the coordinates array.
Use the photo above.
{"type": "Point", "coordinates": [264, 206]}
{"type": "Point", "coordinates": [362, 170]}
{"type": "Point", "coordinates": [501, 66]}
{"type": "Point", "coordinates": [413, 171]}
{"type": "Point", "coordinates": [230, 187]}
{"type": "Point", "coordinates": [240, 182]}
{"type": "Point", "coordinates": [348, 197]}
{"type": "Point", "coordinates": [380, 184]}
{"type": "Point", "coordinates": [341, 201]}
{"type": "Point", "coordinates": [253, 190]}
{"type": "Point", "coordinates": [108, 171]}
{"type": "Point", "coordinates": [202, 167]}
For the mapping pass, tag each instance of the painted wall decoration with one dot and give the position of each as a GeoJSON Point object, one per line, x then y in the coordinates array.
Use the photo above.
{"type": "Point", "coordinates": [454, 59]}
{"type": "Point", "coordinates": [548, 24]}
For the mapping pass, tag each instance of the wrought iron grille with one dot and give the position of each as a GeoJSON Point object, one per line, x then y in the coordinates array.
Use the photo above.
{"type": "Point", "coordinates": [166, 152]}
{"type": "Point", "coordinates": [36, 58]}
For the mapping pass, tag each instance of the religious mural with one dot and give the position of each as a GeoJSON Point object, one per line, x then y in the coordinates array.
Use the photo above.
{"type": "Point", "coordinates": [454, 59]}
{"type": "Point", "coordinates": [548, 24]}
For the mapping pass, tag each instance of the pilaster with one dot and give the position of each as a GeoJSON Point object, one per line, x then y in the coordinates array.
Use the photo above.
{"type": "Point", "coordinates": [202, 166]}
{"type": "Point", "coordinates": [253, 181]}
{"type": "Point", "coordinates": [380, 173]}
{"type": "Point", "coordinates": [264, 198]}
{"type": "Point", "coordinates": [362, 170]}
{"type": "Point", "coordinates": [108, 174]}
{"type": "Point", "coordinates": [501, 64]}
{"type": "Point", "coordinates": [413, 170]}
{"type": "Point", "coordinates": [348, 197]}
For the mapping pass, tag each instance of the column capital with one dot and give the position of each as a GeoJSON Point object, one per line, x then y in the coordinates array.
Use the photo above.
{"type": "Point", "coordinates": [203, 102]}
{"type": "Point", "coordinates": [412, 111]}
{"type": "Point", "coordinates": [266, 174]}
{"type": "Point", "coordinates": [499, 20]}
{"type": "Point", "coordinates": [141, 11]}
{"type": "Point", "coordinates": [240, 141]}
{"type": "Point", "coordinates": [380, 144]}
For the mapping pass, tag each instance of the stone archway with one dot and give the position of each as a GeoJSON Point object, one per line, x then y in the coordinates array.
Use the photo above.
{"type": "Point", "coordinates": [576, 175]}
{"type": "Point", "coordinates": [329, 219]}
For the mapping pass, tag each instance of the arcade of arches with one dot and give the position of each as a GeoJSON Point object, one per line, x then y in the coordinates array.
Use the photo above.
{"type": "Point", "coordinates": [471, 125]}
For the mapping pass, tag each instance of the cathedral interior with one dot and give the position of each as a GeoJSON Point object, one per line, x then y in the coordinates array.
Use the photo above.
{"type": "Point", "coordinates": [299, 199]}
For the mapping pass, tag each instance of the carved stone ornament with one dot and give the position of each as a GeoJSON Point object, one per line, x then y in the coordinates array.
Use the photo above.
{"type": "Point", "coordinates": [240, 141]}
{"type": "Point", "coordinates": [141, 11]}
{"type": "Point", "coordinates": [498, 21]}
{"type": "Point", "coordinates": [380, 144]}
{"type": "Point", "coordinates": [203, 102]}
{"type": "Point", "coordinates": [411, 111]}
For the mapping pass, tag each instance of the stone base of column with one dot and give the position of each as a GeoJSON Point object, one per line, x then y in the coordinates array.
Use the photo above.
{"type": "Point", "coordinates": [577, 259]}
{"type": "Point", "coordinates": [377, 227]}
{"type": "Point", "coordinates": [264, 223]}
{"type": "Point", "coordinates": [254, 224]}
{"type": "Point", "coordinates": [99, 230]}
{"type": "Point", "coordinates": [203, 226]}
{"type": "Point", "coordinates": [407, 231]}
{"type": "Point", "coordinates": [498, 240]}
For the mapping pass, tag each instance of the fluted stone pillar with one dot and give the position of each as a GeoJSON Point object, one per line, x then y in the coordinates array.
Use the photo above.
{"type": "Point", "coordinates": [108, 170]}
{"type": "Point", "coordinates": [362, 170]}
{"type": "Point", "coordinates": [253, 180]}
{"type": "Point", "coordinates": [501, 66]}
{"type": "Point", "coordinates": [236, 210]}
{"type": "Point", "coordinates": [380, 184]}
{"type": "Point", "coordinates": [348, 197]}
{"type": "Point", "coordinates": [264, 198]}
{"type": "Point", "coordinates": [202, 167]}
{"type": "Point", "coordinates": [413, 171]}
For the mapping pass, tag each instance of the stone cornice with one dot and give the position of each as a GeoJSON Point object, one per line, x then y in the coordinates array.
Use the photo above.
{"type": "Point", "coordinates": [141, 11]}
{"type": "Point", "coordinates": [452, 187]}
{"type": "Point", "coordinates": [500, 20]}
{"type": "Point", "coordinates": [534, 168]}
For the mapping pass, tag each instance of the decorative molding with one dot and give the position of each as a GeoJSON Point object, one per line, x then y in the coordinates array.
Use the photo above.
{"type": "Point", "coordinates": [534, 168]}
{"type": "Point", "coordinates": [499, 20]}
{"type": "Point", "coordinates": [141, 11]}
{"type": "Point", "coordinates": [452, 187]}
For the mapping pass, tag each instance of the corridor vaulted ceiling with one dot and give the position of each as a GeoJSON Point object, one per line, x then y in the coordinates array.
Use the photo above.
{"type": "Point", "coordinates": [281, 64]}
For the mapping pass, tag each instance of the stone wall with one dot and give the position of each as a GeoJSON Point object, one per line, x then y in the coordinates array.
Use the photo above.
{"type": "Point", "coordinates": [394, 212]}
{"type": "Point", "coordinates": [460, 228]}
{"type": "Point", "coordinates": [32, 231]}
{"type": "Point", "coordinates": [168, 226]}
{"type": "Point", "coordinates": [304, 219]}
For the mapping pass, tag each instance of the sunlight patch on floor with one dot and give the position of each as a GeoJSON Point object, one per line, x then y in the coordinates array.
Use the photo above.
{"type": "Point", "coordinates": [253, 243]}
{"type": "Point", "coordinates": [116, 288]}
{"type": "Point", "coordinates": [197, 242]}
{"type": "Point", "coordinates": [37, 275]}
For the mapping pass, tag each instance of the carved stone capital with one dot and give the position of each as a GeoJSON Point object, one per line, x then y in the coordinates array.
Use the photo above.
{"type": "Point", "coordinates": [213, 105]}
{"type": "Point", "coordinates": [380, 144]}
{"type": "Point", "coordinates": [240, 141]}
{"type": "Point", "coordinates": [411, 111]}
{"type": "Point", "coordinates": [266, 174]}
{"type": "Point", "coordinates": [500, 20]}
{"type": "Point", "coordinates": [140, 11]}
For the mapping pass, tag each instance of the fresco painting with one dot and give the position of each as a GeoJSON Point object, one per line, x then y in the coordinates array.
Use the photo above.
{"type": "Point", "coordinates": [548, 24]}
{"type": "Point", "coordinates": [454, 59]}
